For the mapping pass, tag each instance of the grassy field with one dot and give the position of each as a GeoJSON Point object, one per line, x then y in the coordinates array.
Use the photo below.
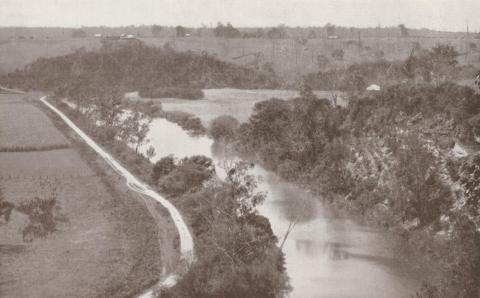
{"type": "Point", "coordinates": [18, 53]}
{"type": "Point", "coordinates": [24, 127]}
{"type": "Point", "coordinates": [111, 246]}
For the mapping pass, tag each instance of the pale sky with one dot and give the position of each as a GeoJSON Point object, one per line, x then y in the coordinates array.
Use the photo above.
{"type": "Point", "coordinates": [450, 15]}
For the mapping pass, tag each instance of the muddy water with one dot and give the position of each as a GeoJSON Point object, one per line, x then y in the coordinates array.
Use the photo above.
{"type": "Point", "coordinates": [326, 255]}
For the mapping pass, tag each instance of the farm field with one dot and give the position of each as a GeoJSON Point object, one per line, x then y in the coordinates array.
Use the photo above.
{"type": "Point", "coordinates": [25, 127]}
{"type": "Point", "coordinates": [234, 102]}
{"type": "Point", "coordinates": [108, 244]}
{"type": "Point", "coordinates": [18, 53]}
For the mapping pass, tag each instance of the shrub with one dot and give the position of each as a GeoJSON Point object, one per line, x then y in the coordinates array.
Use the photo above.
{"type": "Point", "coordinates": [224, 127]}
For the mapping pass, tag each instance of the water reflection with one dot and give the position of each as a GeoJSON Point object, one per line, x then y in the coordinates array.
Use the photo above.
{"type": "Point", "coordinates": [326, 255]}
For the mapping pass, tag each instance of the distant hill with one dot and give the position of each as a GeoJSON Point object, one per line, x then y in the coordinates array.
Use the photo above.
{"type": "Point", "coordinates": [133, 66]}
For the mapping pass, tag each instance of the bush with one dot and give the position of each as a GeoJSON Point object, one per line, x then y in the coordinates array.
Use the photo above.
{"type": "Point", "coordinates": [189, 175]}
{"type": "Point", "coordinates": [224, 127]}
{"type": "Point", "coordinates": [186, 121]}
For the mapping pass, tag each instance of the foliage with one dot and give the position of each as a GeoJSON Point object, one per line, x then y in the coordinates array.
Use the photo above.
{"type": "Point", "coordinates": [439, 62]}
{"type": "Point", "coordinates": [236, 248]}
{"type": "Point", "coordinates": [226, 31]}
{"type": "Point", "coordinates": [278, 32]}
{"type": "Point", "coordinates": [6, 208]}
{"type": "Point", "coordinates": [224, 128]}
{"type": "Point", "coordinates": [163, 167]}
{"type": "Point", "coordinates": [43, 215]}
{"type": "Point", "coordinates": [134, 129]}
{"type": "Point", "coordinates": [403, 30]}
{"type": "Point", "coordinates": [156, 30]}
{"type": "Point", "coordinates": [181, 31]}
{"type": "Point", "coordinates": [338, 54]}
{"type": "Point", "coordinates": [187, 121]}
{"type": "Point", "coordinates": [470, 179]}
{"type": "Point", "coordinates": [424, 197]}
{"type": "Point", "coordinates": [330, 28]}
{"type": "Point", "coordinates": [189, 175]}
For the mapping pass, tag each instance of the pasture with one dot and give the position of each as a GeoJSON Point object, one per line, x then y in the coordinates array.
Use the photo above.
{"type": "Point", "coordinates": [110, 244]}
{"type": "Point", "coordinates": [23, 127]}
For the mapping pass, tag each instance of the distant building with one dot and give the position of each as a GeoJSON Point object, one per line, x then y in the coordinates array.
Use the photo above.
{"type": "Point", "coordinates": [98, 35]}
{"type": "Point", "coordinates": [373, 87]}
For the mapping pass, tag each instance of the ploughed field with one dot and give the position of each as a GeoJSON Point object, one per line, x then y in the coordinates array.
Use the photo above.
{"type": "Point", "coordinates": [107, 244]}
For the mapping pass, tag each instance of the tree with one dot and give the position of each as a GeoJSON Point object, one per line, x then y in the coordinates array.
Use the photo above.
{"type": "Point", "coordinates": [424, 196]}
{"type": "Point", "coordinates": [470, 179]}
{"type": "Point", "coordinates": [109, 106]}
{"type": "Point", "coordinates": [134, 129]}
{"type": "Point", "coordinates": [338, 54]}
{"type": "Point", "coordinates": [156, 30]}
{"type": "Point", "coordinates": [243, 185]}
{"type": "Point", "coordinates": [227, 31]}
{"type": "Point", "coordinates": [180, 31]}
{"type": "Point", "coordinates": [6, 208]}
{"type": "Point", "coordinates": [444, 54]}
{"type": "Point", "coordinates": [237, 255]}
{"type": "Point", "coordinates": [403, 30]}
{"type": "Point", "coordinates": [330, 29]}
{"type": "Point", "coordinates": [278, 32]}
{"type": "Point", "coordinates": [188, 176]}
{"type": "Point", "coordinates": [224, 128]}
{"type": "Point", "coordinates": [267, 123]}
{"type": "Point", "coordinates": [150, 152]}
{"type": "Point", "coordinates": [322, 61]}
{"type": "Point", "coordinates": [163, 167]}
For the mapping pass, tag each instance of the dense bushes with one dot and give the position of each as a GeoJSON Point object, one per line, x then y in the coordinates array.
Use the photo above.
{"type": "Point", "coordinates": [235, 247]}
{"type": "Point", "coordinates": [187, 175]}
{"type": "Point", "coordinates": [187, 121]}
{"type": "Point", "coordinates": [224, 128]}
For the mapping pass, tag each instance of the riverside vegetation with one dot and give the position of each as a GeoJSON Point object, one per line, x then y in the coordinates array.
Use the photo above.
{"type": "Point", "coordinates": [386, 156]}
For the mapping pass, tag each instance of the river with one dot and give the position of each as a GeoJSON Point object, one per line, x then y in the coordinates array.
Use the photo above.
{"type": "Point", "coordinates": [326, 255]}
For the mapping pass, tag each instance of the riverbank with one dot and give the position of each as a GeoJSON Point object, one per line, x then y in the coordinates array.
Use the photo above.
{"type": "Point", "coordinates": [187, 192]}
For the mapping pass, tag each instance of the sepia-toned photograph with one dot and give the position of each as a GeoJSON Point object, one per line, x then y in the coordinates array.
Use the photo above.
{"type": "Point", "coordinates": [239, 149]}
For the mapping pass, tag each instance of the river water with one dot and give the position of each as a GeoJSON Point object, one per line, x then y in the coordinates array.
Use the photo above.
{"type": "Point", "coordinates": [327, 255]}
